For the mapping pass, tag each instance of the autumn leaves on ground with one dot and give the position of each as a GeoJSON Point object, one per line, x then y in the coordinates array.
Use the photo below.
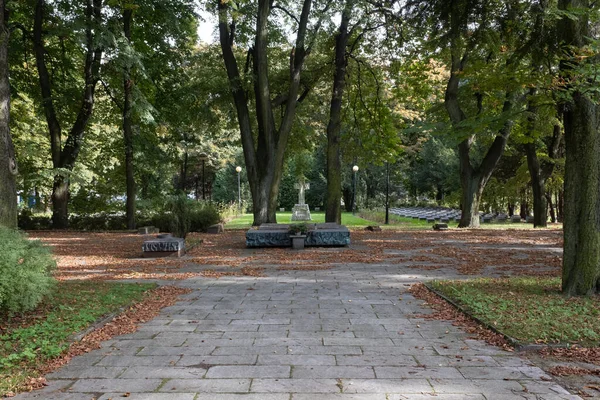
{"type": "Point", "coordinates": [102, 256]}
{"type": "Point", "coordinates": [99, 258]}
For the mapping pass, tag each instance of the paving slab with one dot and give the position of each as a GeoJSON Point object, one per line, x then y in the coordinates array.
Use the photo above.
{"type": "Point", "coordinates": [347, 333]}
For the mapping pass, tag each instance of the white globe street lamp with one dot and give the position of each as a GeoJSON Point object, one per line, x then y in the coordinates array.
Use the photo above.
{"type": "Point", "coordinates": [238, 169]}
{"type": "Point", "coordinates": [355, 169]}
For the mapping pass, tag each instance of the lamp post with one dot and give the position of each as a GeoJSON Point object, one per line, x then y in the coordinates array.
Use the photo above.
{"type": "Point", "coordinates": [238, 169]}
{"type": "Point", "coordinates": [355, 170]}
{"type": "Point", "coordinates": [203, 157]}
{"type": "Point", "coordinates": [387, 193]}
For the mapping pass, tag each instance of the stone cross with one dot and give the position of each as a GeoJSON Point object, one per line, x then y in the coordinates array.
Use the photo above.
{"type": "Point", "coordinates": [301, 186]}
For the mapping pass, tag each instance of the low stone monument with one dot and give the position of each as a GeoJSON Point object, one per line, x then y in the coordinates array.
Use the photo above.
{"type": "Point", "coordinates": [278, 235]}
{"type": "Point", "coordinates": [163, 246]}
{"type": "Point", "coordinates": [216, 228]}
{"type": "Point", "coordinates": [301, 211]}
{"type": "Point", "coordinates": [440, 227]}
{"type": "Point", "coordinates": [147, 230]}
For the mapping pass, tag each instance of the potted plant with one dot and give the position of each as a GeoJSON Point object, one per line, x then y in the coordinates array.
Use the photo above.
{"type": "Point", "coordinates": [298, 235]}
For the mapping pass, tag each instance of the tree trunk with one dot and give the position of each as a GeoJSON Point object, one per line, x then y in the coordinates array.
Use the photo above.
{"type": "Point", "coordinates": [127, 128]}
{"type": "Point", "coordinates": [540, 205]}
{"type": "Point", "coordinates": [523, 211]}
{"type": "Point", "coordinates": [333, 208]}
{"type": "Point", "coordinates": [65, 157]}
{"type": "Point", "coordinates": [60, 201]}
{"type": "Point", "coordinates": [470, 198]}
{"type": "Point", "coordinates": [551, 207]}
{"type": "Point", "coordinates": [581, 260]}
{"type": "Point", "coordinates": [511, 209]}
{"type": "Point", "coordinates": [183, 173]}
{"type": "Point", "coordinates": [560, 206]}
{"type": "Point", "coordinates": [8, 161]}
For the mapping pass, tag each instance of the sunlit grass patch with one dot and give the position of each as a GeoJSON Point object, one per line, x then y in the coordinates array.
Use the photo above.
{"type": "Point", "coordinates": [31, 339]}
{"type": "Point", "coordinates": [245, 221]}
{"type": "Point", "coordinates": [529, 309]}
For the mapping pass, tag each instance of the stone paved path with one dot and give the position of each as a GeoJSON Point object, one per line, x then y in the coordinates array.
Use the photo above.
{"type": "Point", "coordinates": [344, 333]}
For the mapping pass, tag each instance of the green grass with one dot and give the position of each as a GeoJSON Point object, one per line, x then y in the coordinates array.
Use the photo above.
{"type": "Point", "coordinates": [30, 339]}
{"type": "Point", "coordinates": [245, 221]}
{"type": "Point", "coordinates": [529, 309]}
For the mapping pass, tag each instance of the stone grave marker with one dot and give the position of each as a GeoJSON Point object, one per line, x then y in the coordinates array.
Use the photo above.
{"type": "Point", "coordinates": [301, 211]}
{"type": "Point", "coordinates": [163, 246]}
{"type": "Point", "coordinates": [216, 228]}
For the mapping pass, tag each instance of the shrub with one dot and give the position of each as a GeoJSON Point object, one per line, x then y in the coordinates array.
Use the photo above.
{"type": "Point", "coordinates": [181, 215]}
{"type": "Point", "coordinates": [98, 222]}
{"type": "Point", "coordinates": [203, 216]}
{"type": "Point", "coordinates": [27, 220]}
{"type": "Point", "coordinates": [25, 271]}
{"type": "Point", "coordinates": [179, 209]}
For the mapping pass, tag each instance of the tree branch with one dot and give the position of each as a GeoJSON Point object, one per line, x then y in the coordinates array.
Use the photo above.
{"type": "Point", "coordinates": [110, 95]}
{"type": "Point", "coordinates": [289, 14]}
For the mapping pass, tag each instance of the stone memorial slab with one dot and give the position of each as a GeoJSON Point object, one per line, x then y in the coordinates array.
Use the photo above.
{"type": "Point", "coordinates": [440, 227]}
{"type": "Point", "coordinates": [216, 228]}
{"type": "Point", "coordinates": [270, 226]}
{"type": "Point", "coordinates": [515, 218]}
{"type": "Point", "coordinates": [164, 246]}
{"type": "Point", "coordinates": [147, 230]}
{"type": "Point", "coordinates": [269, 235]}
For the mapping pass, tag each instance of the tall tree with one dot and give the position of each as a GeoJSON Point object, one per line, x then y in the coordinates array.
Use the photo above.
{"type": "Point", "coordinates": [333, 209]}
{"type": "Point", "coordinates": [581, 260]}
{"type": "Point", "coordinates": [64, 157]}
{"type": "Point", "coordinates": [473, 175]}
{"type": "Point", "coordinates": [127, 124]}
{"type": "Point", "coordinates": [540, 169]}
{"type": "Point", "coordinates": [8, 162]}
{"type": "Point", "coordinates": [542, 51]}
{"type": "Point", "coordinates": [264, 151]}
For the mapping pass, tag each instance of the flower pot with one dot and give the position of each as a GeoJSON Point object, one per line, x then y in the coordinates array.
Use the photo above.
{"type": "Point", "coordinates": [298, 241]}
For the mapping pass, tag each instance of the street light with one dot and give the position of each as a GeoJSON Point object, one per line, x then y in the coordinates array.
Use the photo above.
{"type": "Point", "coordinates": [238, 169]}
{"type": "Point", "coordinates": [355, 169]}
{"type": "Point", "coordinates": [387, 193]}
{"type": "Point", "coordinates": [203, 157]}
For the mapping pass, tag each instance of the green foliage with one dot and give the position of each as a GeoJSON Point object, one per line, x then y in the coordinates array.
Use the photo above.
{"type": "Point", "coordinates": [25, 272]}
{"type": "Point", "coordinates": [27, 220]}
{"type": "Point", "coordinates": [72, 308]}
{"type": "Point", "coordinates": [182, 215]}
{"type": "Point", "coordinates": [298, 229]}
{"type": "Point", "coordinates": [178, 209]}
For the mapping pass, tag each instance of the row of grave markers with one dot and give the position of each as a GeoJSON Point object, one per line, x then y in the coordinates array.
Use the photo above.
{"type": "Point", "coordinates": [446, 215]}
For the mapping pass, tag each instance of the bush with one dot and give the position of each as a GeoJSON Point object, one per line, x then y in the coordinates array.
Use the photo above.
{"type": "Point", "coordinates": [204, 216]}
{"type": "Point", "coordinates": [98, 222]}
{"type": "Point", "coordinates": [25, 271]}
{"type": "Point", "coordinates": [29, 221]}
{"type": "Point", "coordinates": [181, 215]}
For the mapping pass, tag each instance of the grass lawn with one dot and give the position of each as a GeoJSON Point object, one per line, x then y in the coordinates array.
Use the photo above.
{"type": "Point", "coordinates": [30, 339]}
{"type": "Point", "coordinates": [245, 221]}
{"type": "Point", "coordinates": [529, 309]}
